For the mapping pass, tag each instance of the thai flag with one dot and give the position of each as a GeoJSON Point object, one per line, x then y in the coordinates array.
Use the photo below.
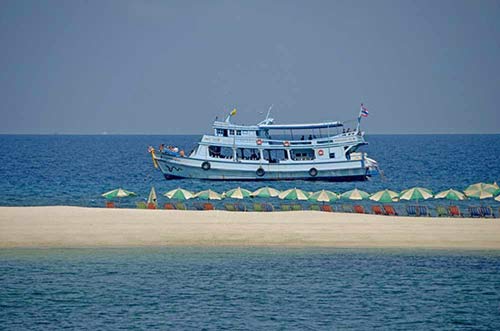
{"type": "Point", "coordinates": [363, 111]}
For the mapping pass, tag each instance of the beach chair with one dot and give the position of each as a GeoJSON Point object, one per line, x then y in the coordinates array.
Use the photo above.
{"type": "Point", "coordinates": [389, 210]}
{"type": "Point", "coordinates": [486, 211]}
{"type": "Point", "coordinates": [267, 207]}
{"type": "Point", "coordinates": [208, 206]}
{"type": "Point", "coordinates": [359, 209]}
{"type": "Point", "coordinates": [327, 208]}
{"type": "Point", "coordinates": [475, 212]}
{"type": "Point", "coordinates": [284, 207]}
{"type": "Point", "coordinates": [229, 207]}
{"type": "Point", "coordinates": [441, 211]}
{"type": "Point", "coordinates": [296, 207]}
{"type": "Point", "coordinates": [377, 210]}
{"type": "Point", "coordinates": [240, 207]}
{"type": "Point", "coordinates": [141, 205]}
{"type": "Point", "coordinates": [423, 211]}
{"type": "Point", "coordinates": [314, 207]}
{"type": "Point", "coordinates": [168, 206]}
{"type": "Point", "coordinates": [346, 208]}
{"type": "Point", "coordinates": [411, 210]}
{"type": "Point", "coordinates": [454, 211]}
{"type": "Point", "coordinates": [180, 206]}
{"type": "Point", "coordinates": [110, 204]}
{"type": "Point", "coordinates": [258, 207]}
{"type": "Point", "coordinates": [151, 205]}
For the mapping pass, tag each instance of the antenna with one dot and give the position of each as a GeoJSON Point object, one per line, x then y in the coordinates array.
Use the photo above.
{"type": "Point", "coordinates": [269, 111]}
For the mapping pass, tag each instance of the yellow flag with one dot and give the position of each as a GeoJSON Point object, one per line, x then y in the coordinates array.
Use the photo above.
{"type": "Point", "coordinates": [233, 112]}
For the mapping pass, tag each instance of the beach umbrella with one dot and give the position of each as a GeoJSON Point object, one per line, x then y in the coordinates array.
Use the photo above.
{"type": "Point", "coordinates": [118, 193]}
{"type": "Point", "coordinates": [208, 195]}
{"type": "Point", "coordinates": [324, 196]}
{"type": "Point", "coordinates": [265, 192]}
{"type": "Point", "coordinates": [497, 198]}
{"type": "Point", "coordinates": [450, 195]}
{"type": "Point", "coordinates": [481, 190]}
{"type": "Point", "coordinates": [385, 196]}
{"type": "Point", "coordinates": [416, 193]}
{"type": "Point", "coordinates": [237, 193]}
{"type": "Point", "coordinates": [152, 197]}
{"type": "Point", "coordinates": [179, 194]}
{"type": "Point", "coordinates": [355, 195]}
{"type": "Point", "coordinates": [293, 194]}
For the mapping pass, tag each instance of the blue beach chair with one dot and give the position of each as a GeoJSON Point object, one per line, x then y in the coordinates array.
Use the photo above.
{"type": "Point", "coordinates": [423, 211]}
{"type": "Point", "coordinates": [411, 210]}
{"type": "Point", "coordinates": [475, 212]}
{"type": "Point", "coordinates": [486, 211]}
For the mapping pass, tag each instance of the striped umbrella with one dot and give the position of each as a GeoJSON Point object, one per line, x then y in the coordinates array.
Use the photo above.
{"type": "Point", "coordinates": [324, 196]}
{"type": "Point", "coordinates": [481, 190]}
{"type": "Point", "coordinates": [265, 192]}
{"type": "Point", "coordinates": [118, 193]}
{"type": "Point", "coordinates": [179, 194]}
{"type": "Point", "coordinates": [355, 195]}
{"type": "Point", "coordinates": [293, 194]}
{"type": "Point", "coordinates": [385, 196]}
{"type": "Point", "coordinates": [237, 193]}
{"type": "Point", "coordinates": [208, 195]}
{"type": "Point", "coordinates": [497, 198]}
{"type": "Point", "coordinates": [450, 194]}
{"type": "Point", "coordinates": [416, 193]}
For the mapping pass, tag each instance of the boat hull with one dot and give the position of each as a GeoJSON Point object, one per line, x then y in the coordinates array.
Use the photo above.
{"type": "Point", "coordinates": [178, 168]}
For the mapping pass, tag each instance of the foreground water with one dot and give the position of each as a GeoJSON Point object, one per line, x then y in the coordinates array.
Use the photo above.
{"type": "Point", "coordinates": [75, 170]}
{"type": "Point", "coordinates": [194, 288]}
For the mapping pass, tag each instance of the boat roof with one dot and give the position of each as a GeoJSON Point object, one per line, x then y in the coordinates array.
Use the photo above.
{"type": "Point", "coordinates": [300, 126]}
{"type": "Point", "coordinates": [270, 126]}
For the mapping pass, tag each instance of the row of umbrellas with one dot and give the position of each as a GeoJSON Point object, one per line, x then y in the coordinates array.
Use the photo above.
{"type": "Point", "coordinates": [477, 191]}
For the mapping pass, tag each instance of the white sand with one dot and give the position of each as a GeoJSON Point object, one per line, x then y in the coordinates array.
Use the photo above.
{"type": "Point", "coordinates": [96, 227]}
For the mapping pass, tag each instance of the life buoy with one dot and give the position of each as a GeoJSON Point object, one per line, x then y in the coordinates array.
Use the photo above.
{"type": "Point", "coordinates": [313, 172]}
{"type": "Point", "coordinates": [259, 141]}
{"type": "Point", "coordinates": [286, 143]}
{"type": "Point", "coordinates": [320, 152]}
{"type": "Point", "coordinates": [205, 165]}
{"type": "Point", "coordinates": [260, 172]}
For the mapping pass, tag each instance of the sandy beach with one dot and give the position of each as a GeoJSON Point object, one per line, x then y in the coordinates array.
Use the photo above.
{"type": "Point", "coordinates": [96, 227]}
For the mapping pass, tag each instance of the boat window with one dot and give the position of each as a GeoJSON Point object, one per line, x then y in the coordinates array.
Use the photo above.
{"type": "Point", "coordinates": [225, 133]}
{"type": "Point", "coordinates": [305, 154]}
{"type": "Point", "coordinates": [248, 154]}
{"type": "Point", "coordinates": [231, 132]}
{"type": "Point", "coordinates": [220, 152]}
{"type": "Point", "coordinates": [332, 155]}
{"type": "Point", "coordinates": [275, 155]}
{"type": "Point", "coordinates": [220, 132]}
{"type": "Point", "coordinates": [238, 132]}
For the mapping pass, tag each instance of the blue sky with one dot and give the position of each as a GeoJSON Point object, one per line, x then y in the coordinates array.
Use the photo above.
{"type": "Point", "coordinates": [170, 67]}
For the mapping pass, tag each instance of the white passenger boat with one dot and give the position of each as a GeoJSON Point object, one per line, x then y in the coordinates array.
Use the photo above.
{"type": "Point", "coordinates": [269, 151]}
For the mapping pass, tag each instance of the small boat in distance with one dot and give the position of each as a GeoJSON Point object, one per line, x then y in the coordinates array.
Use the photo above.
{"type": "Point", "coordinates": [260, 152]}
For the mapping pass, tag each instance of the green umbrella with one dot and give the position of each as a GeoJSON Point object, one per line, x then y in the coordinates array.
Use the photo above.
{"type": "Point", "coordinates": [497, 198]}
{"type": "Point", "coordinates": [179, 194]}
{"type": "Point", "coordinates": [324, 196]}
{"type": "Point", "coordinates": [265, 192]}
{"type": "Point", "coordinates": [237, 193]}
{"type": "Point", "coordinates": [152, 197]}
{"type": "Point", "coordinates": [416, 193]}
{"type": "Point", "coordinates": [385, 196]}
{"type": "Point", "coordinates": [450, 195]}
{"type": "Point", "coordinates": [118, 193]}
{"type": "Point", "coordinates": [208, 195]}
{"type": "Point", "coordinates": [293, 194]}
{"type": "Point", "coordinates": [355, 195]}
{"type": "Point", "coordinates": [481, 190]}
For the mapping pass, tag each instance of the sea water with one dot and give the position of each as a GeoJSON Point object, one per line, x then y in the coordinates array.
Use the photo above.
{"type": "Point", "coordinates": [76, 170]}
{"type": "Point", "coordinates": [239, 288]}
{"type": "Point", "coordinates": [248, 289]}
